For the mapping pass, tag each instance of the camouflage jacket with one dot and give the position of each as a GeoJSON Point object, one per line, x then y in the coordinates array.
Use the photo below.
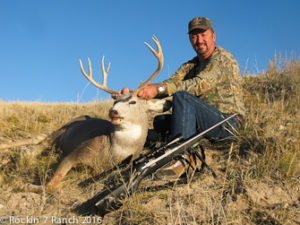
{"type": "Point", "coordinates": [215, 80]}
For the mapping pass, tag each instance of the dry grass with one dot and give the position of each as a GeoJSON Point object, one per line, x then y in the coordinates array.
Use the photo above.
{"type": "Point", "coordinates": [257, 177]}
{"type": "Point", "coordinates": [21, 119]}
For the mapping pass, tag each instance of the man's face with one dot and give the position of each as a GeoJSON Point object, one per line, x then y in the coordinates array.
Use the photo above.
{"type": "Point", "coordinates": [203, 42]}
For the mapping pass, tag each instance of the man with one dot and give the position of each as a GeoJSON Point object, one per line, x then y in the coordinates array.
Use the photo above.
{"type": "Point", "coordinates": [205, 90]}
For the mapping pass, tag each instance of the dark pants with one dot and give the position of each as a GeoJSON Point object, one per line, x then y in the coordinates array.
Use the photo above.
{"type": "Point", "coordinates": [191, 115]}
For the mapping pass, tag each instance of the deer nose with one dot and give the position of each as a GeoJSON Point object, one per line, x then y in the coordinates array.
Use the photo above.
{"type": "Point", "coordinates": [113, 113]}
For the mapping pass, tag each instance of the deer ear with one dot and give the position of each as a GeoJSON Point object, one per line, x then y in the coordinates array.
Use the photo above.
{"type": "Point", "coordinates": [159, 105]}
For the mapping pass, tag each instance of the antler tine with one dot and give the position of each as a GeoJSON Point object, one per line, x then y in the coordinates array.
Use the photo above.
{"type": "Point", "coordinates": [89, 76]}
{"type": "Point", "coordinates": [104, 72]}
{"type": "Point", "coordinates": [160, 58]}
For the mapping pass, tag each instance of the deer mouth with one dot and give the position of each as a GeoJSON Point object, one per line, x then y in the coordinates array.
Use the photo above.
{"type": "Point", "coordinates": [116, 119]}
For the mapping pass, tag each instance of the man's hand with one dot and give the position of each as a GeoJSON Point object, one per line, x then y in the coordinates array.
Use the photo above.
{"type": "Point", "coordinates": [123, 91]}
{"type": "Point", "coordinates": [148, 92]}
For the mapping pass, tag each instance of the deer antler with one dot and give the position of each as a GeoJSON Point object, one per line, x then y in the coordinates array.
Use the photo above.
{"type": "Point", "coordinates": [160, 58]}
{"type": "Point", "coordinates": [103, 86]}
{"type": "Point", "coordinates": [89, 76]}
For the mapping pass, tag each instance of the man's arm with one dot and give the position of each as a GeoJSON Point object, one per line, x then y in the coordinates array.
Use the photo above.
{"type": "Point", "coordinates": [200, 82]}
{"type": "Point", "coordinates": [219, 70]}
{"type": "Point", "coordinates": [151, 91]}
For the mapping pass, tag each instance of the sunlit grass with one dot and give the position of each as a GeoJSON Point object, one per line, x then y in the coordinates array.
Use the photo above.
{"type": "Point", "coordinates": [258, 178]}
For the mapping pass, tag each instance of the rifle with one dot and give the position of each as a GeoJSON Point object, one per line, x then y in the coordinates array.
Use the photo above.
{"type": "Point", "coordinates": [118, 189]}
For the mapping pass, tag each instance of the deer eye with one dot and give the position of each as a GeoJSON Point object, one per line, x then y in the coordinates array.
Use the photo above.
{"type": "Point", "coordinates": [132, 102]}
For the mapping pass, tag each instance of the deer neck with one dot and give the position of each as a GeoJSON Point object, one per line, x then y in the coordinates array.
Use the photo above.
{"type": "Point", "coordinates": [127, 132]}
{"type": "Point", "coordinates": [128, 140]}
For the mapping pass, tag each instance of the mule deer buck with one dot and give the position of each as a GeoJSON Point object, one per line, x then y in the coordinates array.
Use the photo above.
{"type": "Point", "coordinates": [102, 144]}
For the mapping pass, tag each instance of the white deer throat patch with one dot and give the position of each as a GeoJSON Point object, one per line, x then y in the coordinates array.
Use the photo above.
{"type": "Point", "coordinates": [126, 142]}
{"type": "Point", "coordinates": [129, 132]}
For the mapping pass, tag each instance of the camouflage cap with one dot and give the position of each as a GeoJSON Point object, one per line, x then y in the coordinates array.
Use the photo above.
{"type": "Point", "coordinates": [202, 23]}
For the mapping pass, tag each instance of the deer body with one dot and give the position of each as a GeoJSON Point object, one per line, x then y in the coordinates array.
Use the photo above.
{"type": "Point", "coordinates": [102, 144]}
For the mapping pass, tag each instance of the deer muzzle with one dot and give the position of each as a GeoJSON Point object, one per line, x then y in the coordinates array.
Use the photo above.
{"type": "Point", "coordinates": [115, 117]}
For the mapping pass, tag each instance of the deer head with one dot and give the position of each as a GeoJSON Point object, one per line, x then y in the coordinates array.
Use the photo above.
{"type": "Point", "coordinates": [125, 104]}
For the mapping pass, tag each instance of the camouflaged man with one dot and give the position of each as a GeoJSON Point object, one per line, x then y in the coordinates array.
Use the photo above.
{"type": "Point", "coordinates": [205, 90]}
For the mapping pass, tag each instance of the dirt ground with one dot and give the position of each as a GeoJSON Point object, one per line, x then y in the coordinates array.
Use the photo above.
{"type": "Point", "coordinates": [230, 198]}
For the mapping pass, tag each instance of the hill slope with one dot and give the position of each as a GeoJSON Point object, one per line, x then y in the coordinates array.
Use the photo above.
{"type": "Point", "coordinates": [257, 177]}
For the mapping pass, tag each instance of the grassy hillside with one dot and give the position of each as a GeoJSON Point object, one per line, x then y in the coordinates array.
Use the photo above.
{"type": "Point", "coordinates": [257, 177]}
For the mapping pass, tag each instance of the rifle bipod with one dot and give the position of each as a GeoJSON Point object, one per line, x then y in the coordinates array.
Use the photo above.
{"type": "Point", "coordinates": [191, 158]}
{"type": "Point", "coordinates": [194, 151]}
